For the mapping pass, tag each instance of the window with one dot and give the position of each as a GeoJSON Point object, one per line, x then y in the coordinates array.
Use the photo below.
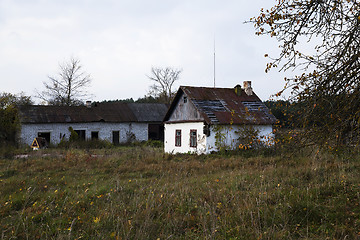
{"type": "Point", "coordinates": [45, 135]}
{"type": "Point", "coordinates": [193, 138]}
{"type": "Point", "coordinates": [94, 135]}
{"type": "Point", "coordinates": [178, 138]}
{"type": "Point", "coordinates": [81, 134]}
{"type": "Point", "coordinates": [185, 99]}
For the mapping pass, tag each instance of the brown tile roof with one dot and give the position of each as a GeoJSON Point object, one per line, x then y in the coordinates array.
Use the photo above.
{"type": "Point", "coordinates": [102, 112]}
{"type": "Point", "coordinates": [224, 106]}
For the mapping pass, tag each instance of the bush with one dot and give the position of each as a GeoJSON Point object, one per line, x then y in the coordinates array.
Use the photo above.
{"type": "Point", "coordinates": [7, 151]}
{"type": "Point", "coordinates": [154, 143]}
{"type": "Point", "coordinates": [91, 144]}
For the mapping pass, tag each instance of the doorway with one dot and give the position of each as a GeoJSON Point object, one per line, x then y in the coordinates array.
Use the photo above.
{"type": "Point", "coordinates": [116, 137]}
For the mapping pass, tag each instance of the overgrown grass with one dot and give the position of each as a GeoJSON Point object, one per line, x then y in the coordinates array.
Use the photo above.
{"type": "Point", "coordinates": [138, 192]}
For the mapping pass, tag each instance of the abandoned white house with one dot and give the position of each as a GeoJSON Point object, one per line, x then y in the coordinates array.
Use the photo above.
{"type": "Point", "coordinates": [201, 120]}
{"type": "Point", "coordinates": [116, 122]}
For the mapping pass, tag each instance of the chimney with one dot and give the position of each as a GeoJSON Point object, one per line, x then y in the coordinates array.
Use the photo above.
{"type": "Point", "coordinates": [237, 89]}
{"type": "Point", "coordinates": [88, 104]}
{"type": "Point", "coordinates": [248, 88]}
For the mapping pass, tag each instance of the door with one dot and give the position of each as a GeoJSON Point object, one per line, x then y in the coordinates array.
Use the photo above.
{"type": "Point", "coordinates": [116, 137]}
{"type": "Point", "coordinates": [45, 135]}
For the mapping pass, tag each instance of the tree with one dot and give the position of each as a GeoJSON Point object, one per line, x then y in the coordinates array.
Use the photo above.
{"type": "Point", "coordinates": [164, 79]}
{"type": "Point", "coordinates": [69, 88]}
{"type": "Point", "coordinates": [9, 119]}
{"type": "Point", "coordinates": [329, 86]}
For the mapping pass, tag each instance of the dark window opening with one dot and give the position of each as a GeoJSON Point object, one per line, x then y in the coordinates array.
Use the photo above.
{"type": "Point", "coordinates": [193, 138]}
{"type": "Point", "coordinates": [178, 138]}
{"type": "Point", "coordinates": [206, 130]}
{"type": "Point", "coordinates": [94, 135]}
{"type": "Point", "coordinates": [45, 135]}
{"type": "Point", "coordinates": [81, 134]}
{"type": "Point", "coordinates": [156, 132]}
{"type": "Point", "coordinates": [116, 137]}
{"type": "Point", "coordinates": [185, 99]}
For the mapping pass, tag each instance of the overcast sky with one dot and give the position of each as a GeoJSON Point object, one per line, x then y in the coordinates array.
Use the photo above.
{"type": "Point", "coordinates": [118, 41]}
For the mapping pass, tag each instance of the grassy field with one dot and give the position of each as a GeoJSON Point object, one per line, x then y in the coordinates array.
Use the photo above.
{"type": "Point", "coordinates": [142, 193]}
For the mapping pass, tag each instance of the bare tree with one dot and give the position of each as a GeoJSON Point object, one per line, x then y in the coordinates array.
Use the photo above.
{"type": "Point", "coordinates": [164, 79]}
{"type": "Point", "coordinates": [69, 88]}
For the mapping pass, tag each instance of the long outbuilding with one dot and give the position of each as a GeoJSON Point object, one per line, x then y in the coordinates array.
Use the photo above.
{"type": "Point", "coordinates": [116, 122]}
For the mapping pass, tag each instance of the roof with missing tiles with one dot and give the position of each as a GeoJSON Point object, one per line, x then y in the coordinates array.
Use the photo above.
{"type": "Point", "coordinates": [224, 106]}
{"type": "Point", "coordinates": [100, 112]}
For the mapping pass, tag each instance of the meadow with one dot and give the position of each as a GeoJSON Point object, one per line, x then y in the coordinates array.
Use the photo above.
{"type": "Point", "coordinates": [139, 192]}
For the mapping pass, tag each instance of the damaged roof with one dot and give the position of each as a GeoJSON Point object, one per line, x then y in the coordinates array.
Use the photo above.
{"type": "Point", "coordinates": [113, 112]}
{"type": "Point", "coordinates": [224, 106]}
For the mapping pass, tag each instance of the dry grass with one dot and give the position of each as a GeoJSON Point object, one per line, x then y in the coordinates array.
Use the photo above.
{"type": "Point", "coordinates": [141, 193]}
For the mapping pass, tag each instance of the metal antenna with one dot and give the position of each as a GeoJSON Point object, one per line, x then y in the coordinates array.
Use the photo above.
{"type": "Point", "coordinates": [214, 62]}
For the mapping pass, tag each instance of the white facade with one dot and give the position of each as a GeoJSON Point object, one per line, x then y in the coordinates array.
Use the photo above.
{"type": "Point", "coordinates": [169, 138]}
{"type": "Point", "coordinates": [207, 144]}
{"type": "Point", "coordinates": [105, 131]}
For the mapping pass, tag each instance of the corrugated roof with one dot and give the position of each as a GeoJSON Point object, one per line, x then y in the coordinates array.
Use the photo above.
{"type": "Point", "coordinates": [101, 112]}
{"type": "Point", "coordinates": [148, 112]}
{"type": "Point", "coordinates": [224, 106]}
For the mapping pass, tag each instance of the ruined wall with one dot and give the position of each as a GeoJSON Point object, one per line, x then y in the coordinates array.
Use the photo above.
{"type": "Point", "coordinates": [231, 135]}
{"type": "Point", "coordinates": [59, 130]}
{"type": "Point", "coordinates": [208, 144]}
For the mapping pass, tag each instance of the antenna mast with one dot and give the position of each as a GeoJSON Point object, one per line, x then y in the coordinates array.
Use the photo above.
{"type": "Point", "coordinates": [214, 61]}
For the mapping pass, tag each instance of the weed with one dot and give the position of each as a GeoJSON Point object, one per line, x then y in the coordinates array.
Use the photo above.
{"type": "Point", "coordinates": [138, 192]}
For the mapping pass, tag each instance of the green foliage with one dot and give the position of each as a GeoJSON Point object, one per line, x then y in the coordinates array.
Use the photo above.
{"type": "Point", "coordinates": [248, 137]}
{"type": "Point", "coordinates": [75, 142]}
{"type": "Point", "coordinates": [154, 143]}
{"type": "Point", "coordinates": [9, 119]}
{"type": "Point", "coordinates": [240, 137]}
{"type": "Point", "coordinates": [130, 137]}
{"type": "Point", "coordinates": [127, 100]}
{"type": "Point", "coordinates": [141, 193]}
{"type": "Point", "coordinates": [221, 134]}
{"type": "Point", "coordinates": [89, 144]}
{"type": "Point", "coordinates": [74, 137]}
{"type": "Point", "coordinates": [149, 99]}
{"type": "Point", "coordinates": [145, 99]}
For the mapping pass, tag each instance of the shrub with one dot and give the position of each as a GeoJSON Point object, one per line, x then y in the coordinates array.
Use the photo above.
{"type": "Point", "coordinates": [90, 144]}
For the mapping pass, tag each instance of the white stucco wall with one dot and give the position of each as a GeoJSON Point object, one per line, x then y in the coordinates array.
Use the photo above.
{"type": "Point", "coordinates": [207, 144]}
{"type": "Point", "coordinates": [169, 138]}
{"type": "Point", "coordinates": [30, 131]}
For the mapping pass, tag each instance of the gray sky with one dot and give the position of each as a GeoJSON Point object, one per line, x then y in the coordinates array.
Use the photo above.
{"type": "Point", "coordinates": [118, 41]}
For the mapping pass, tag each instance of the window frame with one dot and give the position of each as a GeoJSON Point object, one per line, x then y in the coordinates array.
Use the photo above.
{"type": "Point", "coordinates": [177, 138]}
{"type": "Point", "coordinates": [193, 138]}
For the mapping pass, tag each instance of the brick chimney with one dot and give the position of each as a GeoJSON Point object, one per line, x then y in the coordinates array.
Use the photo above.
{"type": "Point", "coordinates": [248, 88]}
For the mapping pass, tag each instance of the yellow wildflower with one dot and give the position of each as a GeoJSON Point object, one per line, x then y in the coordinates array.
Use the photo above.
{"type": "Point", "coordinates": [96, 219]}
